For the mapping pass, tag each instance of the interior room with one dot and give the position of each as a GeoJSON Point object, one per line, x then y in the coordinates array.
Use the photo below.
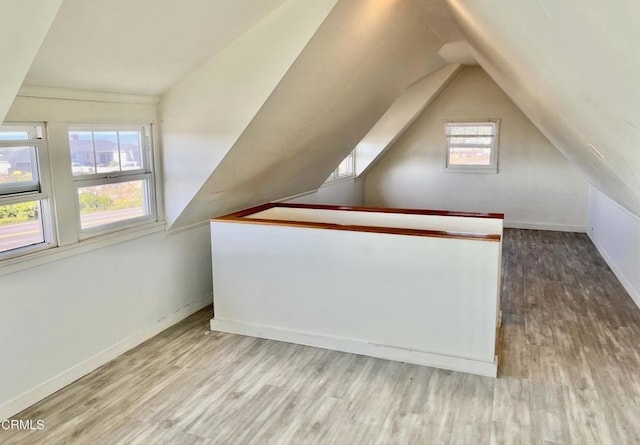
{"type": "Point", "coordinates": [474, 164]}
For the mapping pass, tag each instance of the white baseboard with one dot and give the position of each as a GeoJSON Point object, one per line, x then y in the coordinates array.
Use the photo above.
{"type": "Point", "coordinates": [25, 400]}
{"type": "Point", "coordinates": [489, 369]}
{"type": "Point", "coordinates": [633, 293]}
{"type": "Point", "coordinates": [542, 226]}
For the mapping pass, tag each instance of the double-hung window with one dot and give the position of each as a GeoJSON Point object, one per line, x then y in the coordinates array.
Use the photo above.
{"type": "Point", "coordinates": [472, 146]}
{"type": "Point", "coordinates": [112, 168]}
{"type": "Point", "coordinates": [25, 216]}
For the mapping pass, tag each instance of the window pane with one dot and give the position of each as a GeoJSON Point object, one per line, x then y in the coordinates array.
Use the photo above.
{"type": "Point", "coordinates": [18, 169]}
{"type": "Point", "coordinates": [469, 155]}
{"type": "Point", "coordinates": [346, 166]}
{"type": "Point", "coordinates": [107, 152]}
{"type": "Point", "coordinates": [131, 150]}
{"type": "Point", "coordinates": [111, 203]}
{"type": "Point", "coordinates": [82, 156]}
{"type": "Point", "coordinates": [20, 225]}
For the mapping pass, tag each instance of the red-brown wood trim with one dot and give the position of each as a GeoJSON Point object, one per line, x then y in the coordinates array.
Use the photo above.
{"type": "Point", "coordinates": [270, 205]}
{"type": "Point", "coordinates": [356, 228]}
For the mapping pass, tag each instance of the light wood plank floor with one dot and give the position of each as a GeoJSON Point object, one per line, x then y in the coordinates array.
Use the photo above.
{"type": "Point", "coordinates": [569, 374]}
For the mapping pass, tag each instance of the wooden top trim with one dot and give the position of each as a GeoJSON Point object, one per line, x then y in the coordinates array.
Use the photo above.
{"type": "Point", "coordinates": [271, 205]}
{"type": "Point", "coordinates": [239, 217]}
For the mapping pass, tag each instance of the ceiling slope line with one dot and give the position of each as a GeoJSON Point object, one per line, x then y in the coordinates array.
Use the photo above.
{"type": "Point", "coordinates": [400, 116]}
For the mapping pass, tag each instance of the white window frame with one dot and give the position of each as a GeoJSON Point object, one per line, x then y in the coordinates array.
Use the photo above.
{"type": "Point", "coordinates": [146, 174]}
{"type": "Point", "coordinates": [493, 162]}
{"type": "Point", "coordinates": [336, 176]}
{"type": "Point", "coordinates": [40, 190]}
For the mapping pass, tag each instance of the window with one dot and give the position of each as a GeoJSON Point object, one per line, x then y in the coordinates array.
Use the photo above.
{"type": "Point", "coordinates": [113, 176]}
{"type": "Point", "coordinates": [472, 146]}
{"type": "Point", "coordinates": [25, 223]}
{"type": "Point", "coordinates": [345, 169]}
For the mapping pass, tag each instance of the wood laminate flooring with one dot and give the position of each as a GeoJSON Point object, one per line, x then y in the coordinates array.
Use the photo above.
{"type": "Point", "coordinates": [569, 374]}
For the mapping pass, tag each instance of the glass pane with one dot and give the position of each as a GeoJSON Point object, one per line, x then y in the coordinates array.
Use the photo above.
{"type": "Point", "coordinates": [111, 203]}
{"type": "Point", "coordinates": [476, 140]}
{"type": "Point", "coordinates": [107, 153]}
{"type": "Point", "coordinates": [470, 129]}
{"type": "Point", "coordinates": [16, 135]}
{"type": "Point", "coordinates": [20, 225]}
{"type": "Point", "coordinates": [18, 169]}
{"type": "Point", "coordinates": [82, 157]}
{"type": "Point", "coordinates": [470, 156]}
{"type": "Point", "coordinates": [346, 166]}
{"type": "Point", "coordinates": [131, 150]}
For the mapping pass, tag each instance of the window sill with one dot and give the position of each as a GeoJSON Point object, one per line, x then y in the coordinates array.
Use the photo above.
{"type": "Point", "coordinates": [40, 257]}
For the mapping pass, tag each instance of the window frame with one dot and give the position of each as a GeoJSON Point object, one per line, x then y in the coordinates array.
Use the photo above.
{"type": "Point", "coordinates": [336, 176]}
{"type": "Point", "coordinates": [146, 174]}
{"type": "Point", "coordinates": [494, 147]}
{"type": "Point", "coordinates": [40, 192]}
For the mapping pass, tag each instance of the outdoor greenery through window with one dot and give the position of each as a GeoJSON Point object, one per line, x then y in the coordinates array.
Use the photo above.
{"type": "Point", "coordinates": [113, 175]}
{"type": "Point", "coordinates": [472, 146]}
{"type": "Point", "coordinates": [345, 169]}
{"type": "Point", "coordinates": [24, 219]}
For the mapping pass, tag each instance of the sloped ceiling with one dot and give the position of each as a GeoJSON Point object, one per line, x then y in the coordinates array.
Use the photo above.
{"type": "Point", "coordinates": [23, 27]}
{"type": "Point", "coordinates": [572, 67]}
{"type": "Point", "coordinates": [358, 62]}
{"type": "Point", "coordinates": [141, 46]}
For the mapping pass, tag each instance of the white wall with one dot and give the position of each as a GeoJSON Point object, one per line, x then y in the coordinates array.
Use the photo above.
{"type": "Point", "coordinates": [536, 187]}
{"type": "Point", "coordinates": [64, 318]}
{"type": "Point", "coordinates": [344, 193]}
{"type": "Point", "coordinates": [616, 233]}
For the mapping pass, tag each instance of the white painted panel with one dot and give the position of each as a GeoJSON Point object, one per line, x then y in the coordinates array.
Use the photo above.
{"type": "Point", "coordinates": [378, 219]}
{"type": "Point", "coordinates": [616, 233]}
{"type": "Point", "coordinates": [395, 291]}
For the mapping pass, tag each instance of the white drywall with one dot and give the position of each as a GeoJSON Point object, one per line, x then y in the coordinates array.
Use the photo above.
{"type": "Point", "coordinates": [205, 113]}
{"type": "Point", "coordinates": [573, 68]}
{"type": "Point", "coordinates": [392, 296]}
{"type": "Point", "coordinates": [23, 27]}
{"type": "Point", "coordinates": [348, 192]}
{"type": "Point", "coordinates": [616, 233]}
{"type": "Point", "coordinates": [400, 116]}
{"type": "Point", "coordinates": [64, 318]}
{"type": "Point", "coordinates": [58, 316]}
{"type": "Point", "coordinates": [360, 59]}
{"type": "Point", "coordinates": [535, 187]}
{"type": "Point", "coordinates": [380, 219]}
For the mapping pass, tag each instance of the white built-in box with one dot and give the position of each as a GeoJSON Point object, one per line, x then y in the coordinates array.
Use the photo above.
{"type": "Point", "coordinates": [416, 286]}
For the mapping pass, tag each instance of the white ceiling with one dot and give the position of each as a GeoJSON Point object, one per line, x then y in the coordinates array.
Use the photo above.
{"type": "Point", "coordinates": [141, 46]}
{"type": "Point", "coordinates": [440, 20]}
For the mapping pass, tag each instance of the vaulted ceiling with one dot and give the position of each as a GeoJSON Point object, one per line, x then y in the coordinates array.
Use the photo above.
{"type": "Point", "coordinates": [262, 98]}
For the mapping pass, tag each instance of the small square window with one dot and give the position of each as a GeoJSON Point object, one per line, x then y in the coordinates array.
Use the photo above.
{"type": "Point", "coordinates": [472, 147]}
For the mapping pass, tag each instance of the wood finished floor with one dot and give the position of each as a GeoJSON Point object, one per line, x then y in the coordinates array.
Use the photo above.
{"type": "Point", "coordinates": [569, 374]}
